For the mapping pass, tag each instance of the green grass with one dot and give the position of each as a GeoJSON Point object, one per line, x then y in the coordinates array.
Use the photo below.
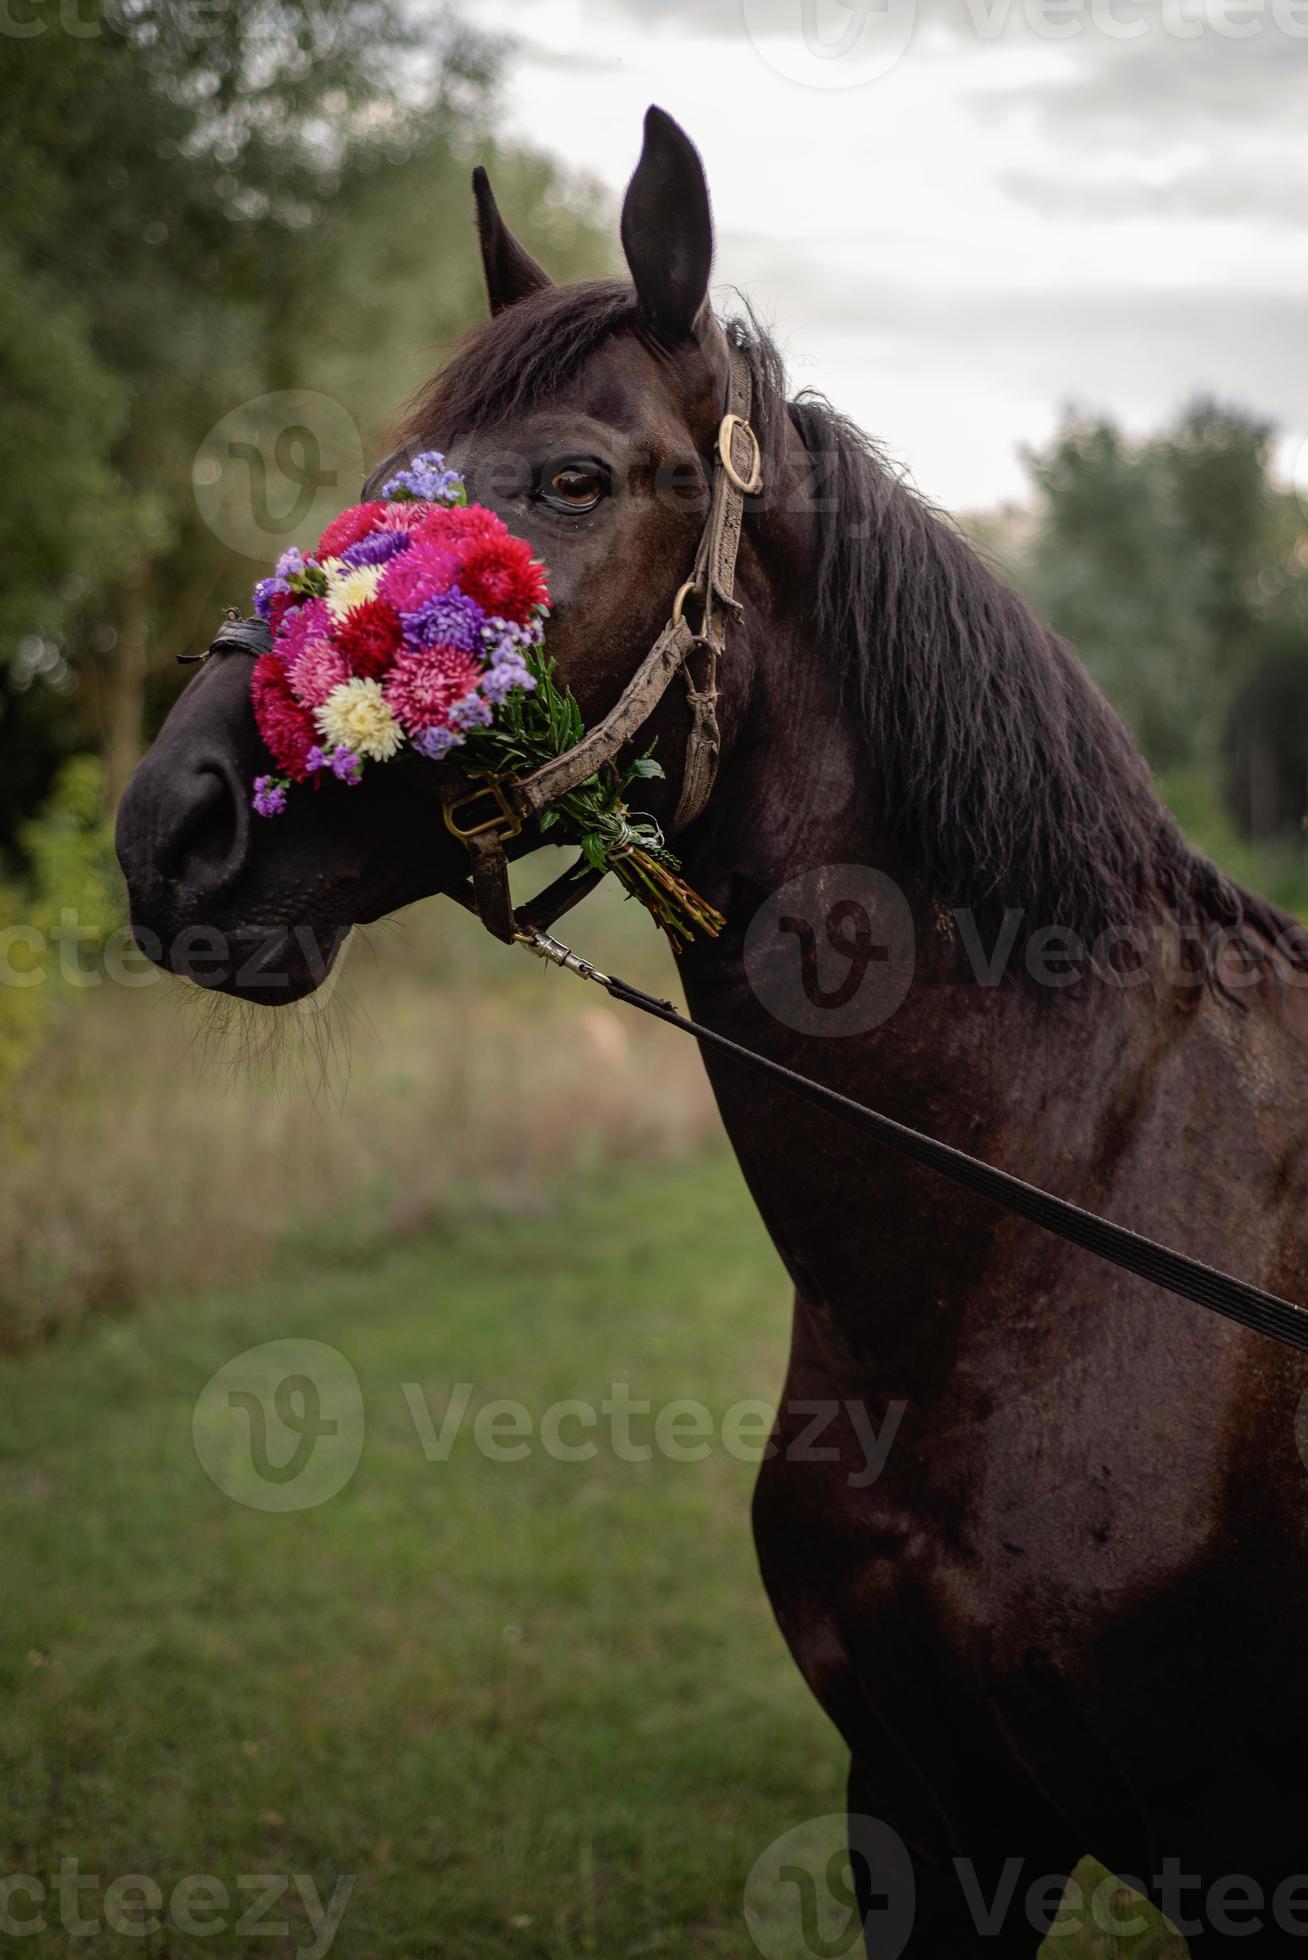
{"type": "Point", "coordinates": [539, 1708]}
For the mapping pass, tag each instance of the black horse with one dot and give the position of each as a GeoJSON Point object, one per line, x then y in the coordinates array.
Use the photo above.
{"type": "Point", "coordinates": [1066, 1616]}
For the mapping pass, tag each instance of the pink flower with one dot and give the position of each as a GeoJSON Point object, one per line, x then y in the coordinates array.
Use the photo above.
{"type": "Point", "coordinates": [417, 575]}
{"type": "Point", "coordinates": [422, 687]}
{"type": "Point", "coordinates": [316, 670]}
{"type": "Point", "coordinates": [404, 517]}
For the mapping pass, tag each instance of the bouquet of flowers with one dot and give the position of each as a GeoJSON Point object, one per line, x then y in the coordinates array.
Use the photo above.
{"type": "Point", "coordinates": [418, 623]}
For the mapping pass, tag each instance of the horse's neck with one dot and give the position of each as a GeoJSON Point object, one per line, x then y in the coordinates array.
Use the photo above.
{"type": "Point", "coordinates": [986, 1068]}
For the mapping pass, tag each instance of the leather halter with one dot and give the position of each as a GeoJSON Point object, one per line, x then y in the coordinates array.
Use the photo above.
{"type": "Point", "coordinates": [507, 804]}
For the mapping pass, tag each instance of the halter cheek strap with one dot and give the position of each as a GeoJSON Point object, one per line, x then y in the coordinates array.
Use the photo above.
{"type": "Point", "coordinates": [496, 809]}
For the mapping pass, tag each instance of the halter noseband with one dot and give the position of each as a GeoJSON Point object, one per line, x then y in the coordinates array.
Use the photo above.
{"type": "Point", "coordinates": [508, 803]}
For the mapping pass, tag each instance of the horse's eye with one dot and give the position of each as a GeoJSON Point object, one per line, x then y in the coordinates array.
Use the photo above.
{"type": "Point", "coordinates": [574, 486]}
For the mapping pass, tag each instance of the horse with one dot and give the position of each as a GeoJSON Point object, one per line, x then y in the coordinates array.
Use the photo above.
{"type": "Point", "coordinates": [1061, 1613]}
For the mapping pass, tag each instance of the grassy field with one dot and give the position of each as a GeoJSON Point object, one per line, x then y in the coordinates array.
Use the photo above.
{"type": "Point", "coordinates": [158, 1132]}
{"type": "Point", "coordinates": [536, 1707]}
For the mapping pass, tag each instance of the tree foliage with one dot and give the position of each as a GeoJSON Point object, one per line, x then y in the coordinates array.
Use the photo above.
{"type": "Point", "coordinates": [203, 206]}
{"type": "Point", "coordinates": [1178, 568]}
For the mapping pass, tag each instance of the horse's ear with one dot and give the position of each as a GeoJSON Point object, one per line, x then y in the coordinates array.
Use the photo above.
{"type": "Point", "coordinates": [511, 272]}
{"type": "Point", "coordinates": [667, 231]}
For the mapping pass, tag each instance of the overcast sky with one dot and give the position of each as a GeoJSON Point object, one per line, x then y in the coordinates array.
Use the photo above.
{"type": "Point", "coordinates": [959, 215]}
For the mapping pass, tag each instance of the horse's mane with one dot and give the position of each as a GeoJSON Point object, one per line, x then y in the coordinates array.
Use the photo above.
{"type": "Point", "coordinates": [520, 358]}
{"type": "Point", "coordinates": [1002, 770]}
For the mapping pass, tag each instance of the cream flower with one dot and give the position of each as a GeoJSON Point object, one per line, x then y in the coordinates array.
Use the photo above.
{"type": "Point", "coordinates": [350, 586]}
{"type": "Point", "coordinates": [355, 716]}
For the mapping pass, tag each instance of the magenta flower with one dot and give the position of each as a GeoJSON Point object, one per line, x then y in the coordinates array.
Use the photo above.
{"type": "Point", "coordinates": [417, 575]}
{"type": "Point", "coordinates": [311, 621]}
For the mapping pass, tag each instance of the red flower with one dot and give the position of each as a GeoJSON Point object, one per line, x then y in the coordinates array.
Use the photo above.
{"type": "Point", "coordinates": [348, 528]}
{"type": "Point", "coordinates": [369, 636]}
{"type": "Point", "coordinates": [462, 525]}
{"type": "Point", "coordinates": [286, 727]}
{"type": "Point", "coordinates": [503, 577]}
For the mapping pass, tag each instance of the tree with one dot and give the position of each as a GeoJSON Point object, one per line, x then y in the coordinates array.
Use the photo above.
{"type": "Point", "coordinates": [1172, 565]}
{"type": "Point", "coordinates": [204, 206]}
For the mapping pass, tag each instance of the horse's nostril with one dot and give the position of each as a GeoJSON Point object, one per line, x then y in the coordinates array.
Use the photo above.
{"type": "Point", "coordinates": [207, 839]}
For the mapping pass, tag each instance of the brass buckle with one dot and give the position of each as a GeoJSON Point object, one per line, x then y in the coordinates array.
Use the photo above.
{"type": "Point", "coordinates": [683, 593]}
{"type": "Point", "coordinates": [730, 423]}
{"type": "Point", "coordinates": [504, 821]}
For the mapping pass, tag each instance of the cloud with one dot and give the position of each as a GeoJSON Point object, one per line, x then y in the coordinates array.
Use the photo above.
{"type": "Point", "coordinates": [1274, 194]}
{"type": "Point", "coordinates": [999, 223]}
{"type": "Point", "coordinates": [1159, 90]}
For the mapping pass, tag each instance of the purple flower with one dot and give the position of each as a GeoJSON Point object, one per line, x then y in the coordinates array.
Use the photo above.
{"type": "Point", "coordinates": [450, 619]}
{"type": "Point", "coordinates": [426, 477]}
{"type": "Point", "coordinates": [269, 798]}
{"type": "Point", "coordinates": [345, 765]}
{"type": "Point", "coordinates": [265, 592]}
{"type": "Point", "coordinates": [471, 712]}
{"type": "Point", "coordinates": [505, 636]}
{"type": "Point", "coordinates": [290, 562]}
{"type": "Point", "coordinates": [509, 671]}
{"type": "Point", "coordinates": [376, 548]}
{"type": "Point", "coordinates": [436, 743]}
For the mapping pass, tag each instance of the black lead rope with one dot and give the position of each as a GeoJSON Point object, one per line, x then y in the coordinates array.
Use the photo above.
{"type": "Point", "coordinates": [1190, 1279]}
{"type": "Point", "coordinates": [1236, 1299]}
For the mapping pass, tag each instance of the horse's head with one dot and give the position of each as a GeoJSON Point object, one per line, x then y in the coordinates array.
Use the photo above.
{"type": "Point", "coordinates": [586, 416]}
